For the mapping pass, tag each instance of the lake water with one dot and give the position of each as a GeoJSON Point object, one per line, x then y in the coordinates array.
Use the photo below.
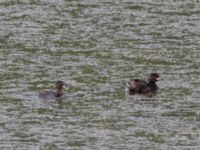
{"type": "Point", "coordinates": [96, 47]}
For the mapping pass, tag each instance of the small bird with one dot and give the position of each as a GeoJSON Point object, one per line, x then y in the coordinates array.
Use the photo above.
{"type": "Point", "coordinates": [54, 94]}
{"type": "Point", "coordinates": [138, 86]}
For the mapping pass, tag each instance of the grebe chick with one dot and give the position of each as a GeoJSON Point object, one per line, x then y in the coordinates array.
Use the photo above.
{"type": "Point", "coordinates": [54, 94]}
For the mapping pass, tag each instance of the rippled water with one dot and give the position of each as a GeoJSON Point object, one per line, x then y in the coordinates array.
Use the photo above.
{"type": "Point", "coordinates": [96, 47]}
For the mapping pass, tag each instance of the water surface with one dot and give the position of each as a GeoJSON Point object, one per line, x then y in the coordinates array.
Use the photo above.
{"type": "Point", "coordinates": [96, 47]}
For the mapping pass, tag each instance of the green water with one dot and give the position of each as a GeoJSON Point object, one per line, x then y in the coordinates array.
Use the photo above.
{"type": "Point", "coordinates": [96, 47]}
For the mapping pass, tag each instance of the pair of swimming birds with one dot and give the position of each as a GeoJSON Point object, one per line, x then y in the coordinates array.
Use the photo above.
{"type": "Point", "coordinates": [135, 86]}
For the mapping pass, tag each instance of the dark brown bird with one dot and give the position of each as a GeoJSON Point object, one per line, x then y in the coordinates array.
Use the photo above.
{"type": "Point", "coordinates": [138, 86]}
{"type": "Point", "coordinates": [54, 94]}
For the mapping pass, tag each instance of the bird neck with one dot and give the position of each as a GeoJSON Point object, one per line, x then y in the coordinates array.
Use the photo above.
{"type": "Point", "coordinates": [59, 93]}
{"type": "Point", "coordinates": [152, 85]}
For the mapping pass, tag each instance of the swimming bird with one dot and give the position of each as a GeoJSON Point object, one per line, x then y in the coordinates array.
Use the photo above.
{"type": "Point", "coordinates": [54, 94]}
{"type": "Point", "coordinates": [138, 86]}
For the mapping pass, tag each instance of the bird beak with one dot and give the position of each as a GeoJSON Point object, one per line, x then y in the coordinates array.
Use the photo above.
{"type": "Point", "coordinates": [67, 87]}
{"type": "Point", "coordinates": [158, 79]}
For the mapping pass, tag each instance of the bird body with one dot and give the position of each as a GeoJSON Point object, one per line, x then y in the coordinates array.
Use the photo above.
{"type": "Point", "coordinates": [53, 94]}
{"type": "Point", "coordinates": [138, 86]}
